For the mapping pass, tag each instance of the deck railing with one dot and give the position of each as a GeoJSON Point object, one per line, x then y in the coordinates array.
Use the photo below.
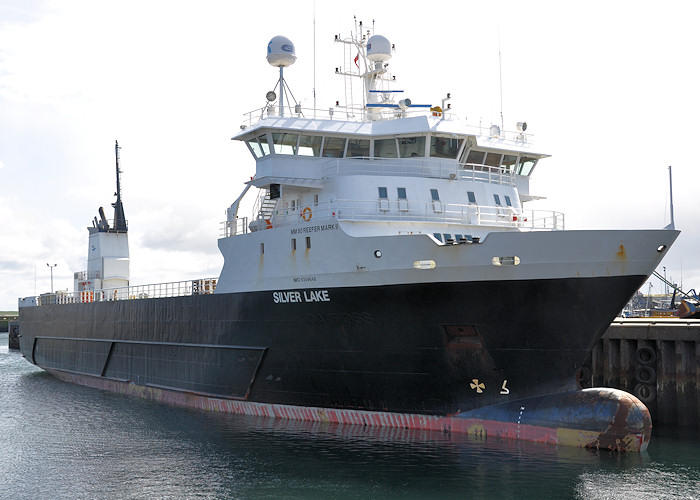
{"type": "Point", "coordinates": [384, 210]}
{"type": "Point", "coordinates": [156, 290]}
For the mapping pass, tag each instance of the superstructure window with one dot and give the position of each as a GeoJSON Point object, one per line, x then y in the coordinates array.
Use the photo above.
{"type": "Point", "coordinates": [310, 145]}
{"type": "Point", "coordinates": [471, 197]}
{"type": "Point", "coordinates": [264, 144]}
{"type": "Point", "coordinates": [385, 148]}
{"type": "Point", "coordinates": [509, 162]}
{"type": "Point", "coordinates": [434, 195]}
{"type": "Point", "coordinates": [444, 147]}
{"type": "Point", "coordinates": [493, 159]}
{"type": "Point", "coordinates": [334, 147]}
{"type": "Point", "coordinates": [255, 147]}
{"type": "Point", "coordinates": [476, 157]}
{"type": "Point", "coordinates": [358, 148]}
{"type": "Point", "coordinates": [383, 193]}
{"type": "Point", "coordinates": [497, 199]}
{"type": "Point", "coordinates": [308, 242]}
{"type": "Point", "coordinates": [508, 203]}
{"type": "Point", "coordinates": [401, 193]}
{"type": "Point", "coordinates": [285, 144]}
{"type": "Point", "coordinates": [525, 165]}
{"type": "Point", "coordinates": [410, 147]}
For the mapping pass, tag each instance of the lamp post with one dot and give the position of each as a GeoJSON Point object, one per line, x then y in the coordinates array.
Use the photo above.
{"type": "Point", "coordinates": [51, 266]}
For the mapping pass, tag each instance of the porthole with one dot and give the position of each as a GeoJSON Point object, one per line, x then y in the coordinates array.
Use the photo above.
{"type": "Point", "coordinates": [378, 254]}
{"type": "Point", "coordinates": [661, 248]}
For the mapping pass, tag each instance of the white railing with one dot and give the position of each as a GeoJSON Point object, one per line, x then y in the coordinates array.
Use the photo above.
{"type": "Point", "coordinates": [344, 113]}
{"type": "Point", "coordinates": [418, 167]}
{"type": "Point", "coordinates": [152, 291]}
{"type": "Point", "coordinates": [402, 210]}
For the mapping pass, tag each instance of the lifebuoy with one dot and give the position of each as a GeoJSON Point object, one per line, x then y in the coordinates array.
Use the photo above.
{"type": "Point", "coordinates": [268, 224]}
{"type": "Point", "coordinates": [645, 356]}
{"type": "Point", "coordinates": [306, 214]}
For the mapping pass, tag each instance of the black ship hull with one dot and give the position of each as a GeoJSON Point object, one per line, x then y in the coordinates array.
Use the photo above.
{"type": "Point", "coordinates": [438, 349]}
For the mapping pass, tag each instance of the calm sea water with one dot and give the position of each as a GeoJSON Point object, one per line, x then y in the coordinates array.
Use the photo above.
{"type": "Point", "coordinates": [63, 441]}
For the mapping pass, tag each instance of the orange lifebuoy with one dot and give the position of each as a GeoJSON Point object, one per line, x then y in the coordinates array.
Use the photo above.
{"type": "Point", "coordinates": [306, 214]}
{"type": "Point", "coordinates": [268, 224]}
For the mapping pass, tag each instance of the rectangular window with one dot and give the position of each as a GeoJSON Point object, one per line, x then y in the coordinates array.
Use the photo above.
{"type": "Point", "coordinates": [294, 244]}
{"type": "Point", "coordinates": [410, 147]}
{"type": "Point", "coordinates": [315, 200]}
{"type": "Point", "coordinates": [385, 148]}
{"type": "Point", "coordinates": [254, 146]}
{"type": "Point", "coordinates": [526, 165]}
{"type": "Point", "coordinates": [308, 242]}
{"type": "Point", "coordinates": [444, 147]}
{"type": "Point", "coordinates": [264, 144]}
{"type": "Point", "coordinates": [471, 197]}
{"type": "Point", "coordinates": [333, 147]}
{"type": "Point", "coordinates": [285, 144]}
{"type": "Point", "coordinates": [493, 159]}
{"type": "Point", "coordinates": [509, 162]}
{"type": "Point", "coordinates": [508, 203]}
{"type": "Point", "coordinates": [497, 200]}
{"type": "Point", "coordinates": [434, 195]}
{"type": "Point", "coordinates": [310, 145]}
{"type": "Point", "coordinates": [383, 192]}
{"type": "Point", "coordinates": [358, 148]}
{"type": "Point", "coordinates": [438, 236]}
{"type": "Point", "coordinates": [476, 157]}
{"type": "Point", "coordinates": [262, 248]}
{"type": "Point", "coordinates": [401, 193]}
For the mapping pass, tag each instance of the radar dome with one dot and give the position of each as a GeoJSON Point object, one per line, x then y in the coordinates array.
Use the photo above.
{"type": "Point", "coordinates": [280, 52]}
{"type": "Point", "coordinates": [378, 49]}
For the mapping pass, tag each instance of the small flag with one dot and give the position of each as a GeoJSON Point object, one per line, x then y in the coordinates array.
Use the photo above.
{"type": "Point", "coordinates": [357, 58]}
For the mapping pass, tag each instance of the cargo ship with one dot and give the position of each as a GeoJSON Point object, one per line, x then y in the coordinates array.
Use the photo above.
{"type": "Point", "coordinates": [388, 274]}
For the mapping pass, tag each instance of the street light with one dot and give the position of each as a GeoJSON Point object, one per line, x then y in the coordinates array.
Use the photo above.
{"type": "Point", "coordinates": [51, 266]}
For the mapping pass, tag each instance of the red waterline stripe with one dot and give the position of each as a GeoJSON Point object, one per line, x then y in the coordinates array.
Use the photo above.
{"type": "Point", "coordinates": [480, 428]}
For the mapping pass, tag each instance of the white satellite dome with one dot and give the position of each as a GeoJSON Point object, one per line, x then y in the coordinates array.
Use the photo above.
{"type": "Point", "coordinates": [378, 49]}
{"type": "Point", "coordinates": [280, 52]}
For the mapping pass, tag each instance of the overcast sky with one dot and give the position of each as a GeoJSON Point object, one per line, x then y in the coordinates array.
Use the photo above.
{"type": "Point", "coordinates": [610, 89]}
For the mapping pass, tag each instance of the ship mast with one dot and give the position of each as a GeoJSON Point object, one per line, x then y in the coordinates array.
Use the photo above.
{"type": "Point", "coordinates": [119, 217]}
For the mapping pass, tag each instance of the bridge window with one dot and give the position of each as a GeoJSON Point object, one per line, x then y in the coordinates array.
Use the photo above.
{"type": "Point", "coordinates": [497, 199]}
{"type": "Point", "coordinates": [255, 147]}
{"type": "Point", "coordinates": [410, 147]}
{"type": "Point", "coordinates": [385, 148]}
{"type": "Point", "coordinates": [444, 147]}
{"type": "Point", "coordinates": [334, 147]}
{"type": "Point", "coordinates": [525, 165]}
{"type": "Point", "coordinates": [493, 159]}
{"type": "Point", "coordinates": [264, 144]}
{"type": "Point", "coordinates": [285, 144]}
{"type": "Point", "coordinates": [509, 162]}
{"type": "Point", "coordinates": [471, 197]}
{"type": "Point", "coordinates": [310, 145]}
{"type": "Point", "coordinates": [476, 157]}
{"type": "Point", "coordinates": [508, 203]}
{"type": "Point", "coordinates": [358, 148]}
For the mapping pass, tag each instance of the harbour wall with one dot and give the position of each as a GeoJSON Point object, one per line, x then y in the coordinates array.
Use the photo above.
{"type": "Point", "coordinates": [657, 360]}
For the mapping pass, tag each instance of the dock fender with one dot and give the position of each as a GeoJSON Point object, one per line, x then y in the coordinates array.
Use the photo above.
{"type": "Point", "coordinates": [645, 356]}
{"type": "Point", "coordinates": [645, 393]}
{"type": "Point", "coordinates": [645, 375]}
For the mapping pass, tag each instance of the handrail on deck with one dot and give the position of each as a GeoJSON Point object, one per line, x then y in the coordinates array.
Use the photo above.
{"type": "Point", "coordinates": [152, 291]}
